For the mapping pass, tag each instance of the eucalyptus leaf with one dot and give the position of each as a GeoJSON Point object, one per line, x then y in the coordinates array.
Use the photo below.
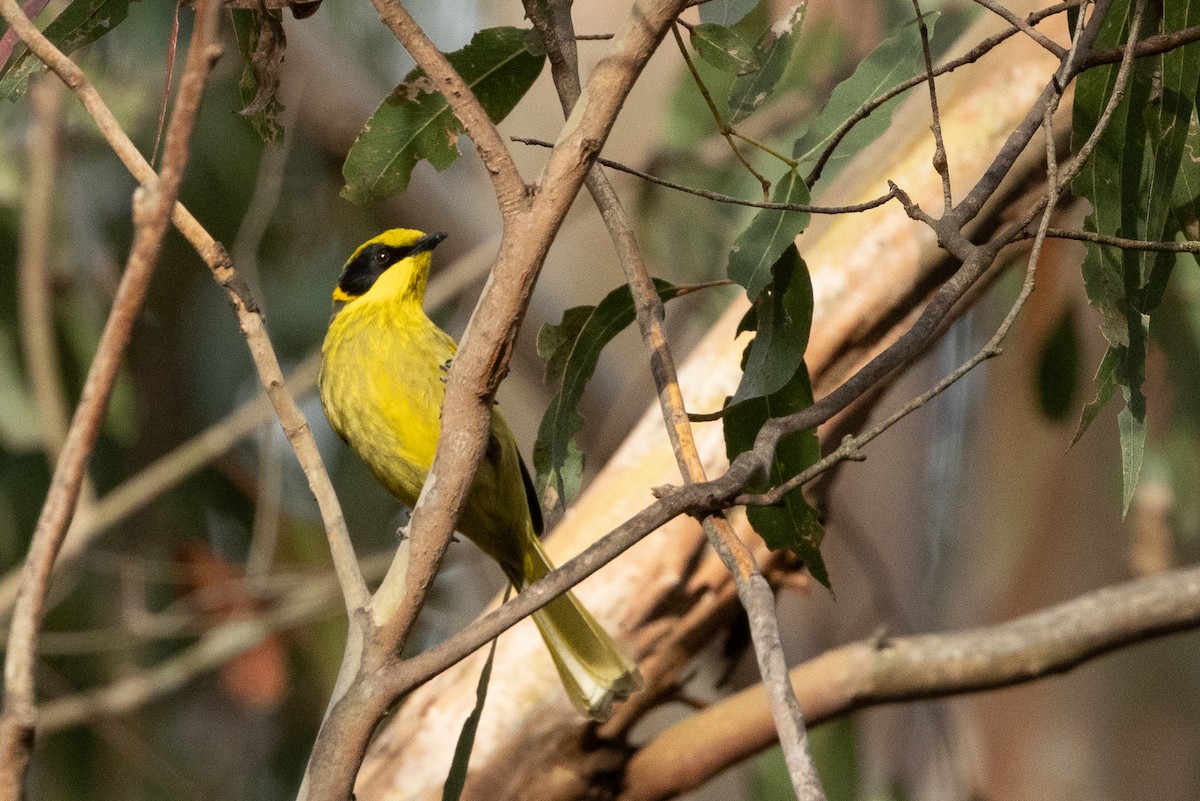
{"type": "Point", "coordinates": [79, 24]}
{"type": "Point", "coordinates": [456, 780]}
{"type": "Point", "coordinates": [773, 51]}
{"type": "Point", "coordinates": [571, 351]}
{"type": "Point", "coordinates": [724, 48]}
{"type": "Point", "coordinates": [1130, 182]}
{"type": "Point", "coordinates": [775, 383]}
{"type": "Point", "coordinates": [261, 42]}
{"type": "Point", "coordinates": [415, 122]}
{"type": "Point", "coordinates": [1106, 384]}
{"type": "Point", "coordinates": [725, 12]}
{"type": "Point", "coordinates": [793, 523]}
{"type": "Point", "coordinates": [893, 62]}
{"type": "Point", "coordinates": [768, 235]}
{"type": "Point", "coordinates": [782, 317]}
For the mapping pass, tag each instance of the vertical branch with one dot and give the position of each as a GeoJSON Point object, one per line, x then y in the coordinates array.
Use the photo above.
{"type": "Point", "coordinates": [555, 28]}
{"type": "Point", "coordinates": [250, 321]}
{"type": "Point", "coordinates": [36, 307]}
{"type": "Point", "coordinates": [152, 216]}
{"type": "Point", "coordinates": [941, 162]}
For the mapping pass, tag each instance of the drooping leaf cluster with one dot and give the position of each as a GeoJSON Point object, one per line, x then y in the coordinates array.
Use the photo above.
{"type": "Point", "coordinates": [1143, 182]}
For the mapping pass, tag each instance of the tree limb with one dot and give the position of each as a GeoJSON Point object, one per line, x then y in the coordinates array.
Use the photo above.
{"type": "Point", "coordinates": [885, 670]}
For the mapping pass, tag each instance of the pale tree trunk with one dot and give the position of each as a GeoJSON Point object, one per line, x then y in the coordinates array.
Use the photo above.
{"type": "Point", "coordinates": [667, 597]}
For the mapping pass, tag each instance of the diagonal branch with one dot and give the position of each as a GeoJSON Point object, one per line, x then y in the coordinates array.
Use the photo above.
{"type": "Point", "coordinates": [295, 426]}
{"type": "Point", "coordinates": [152, 213]}
{"type": "Point", "coordinates": [753, 591]}
{"type": "Point", "coordinates": [506, 180]}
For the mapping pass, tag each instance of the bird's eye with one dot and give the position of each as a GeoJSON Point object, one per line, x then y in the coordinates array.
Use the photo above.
{"type": "Point", "coordinates": [382, 257]}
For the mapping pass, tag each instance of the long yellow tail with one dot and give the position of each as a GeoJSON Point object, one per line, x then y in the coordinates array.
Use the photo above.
{"type": "Point", "coordinates": [593, 670]}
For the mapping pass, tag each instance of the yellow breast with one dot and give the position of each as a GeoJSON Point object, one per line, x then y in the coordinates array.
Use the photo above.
{"type": "Point", "coordinates": [382, 386]}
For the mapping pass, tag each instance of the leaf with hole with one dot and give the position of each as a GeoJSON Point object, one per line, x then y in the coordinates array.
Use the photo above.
{"type": "Point", "coordinates": [415, 122]}
{"type": "Point", "coordinates": [261, 42]}
{"type": "Point", "coordinates": [773, 51]}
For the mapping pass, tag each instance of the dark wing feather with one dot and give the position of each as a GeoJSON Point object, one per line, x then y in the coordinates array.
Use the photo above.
{"type": "Point", "coordinates": [531, 498]}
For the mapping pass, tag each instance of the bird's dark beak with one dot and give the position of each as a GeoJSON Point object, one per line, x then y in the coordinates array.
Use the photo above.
{"type": "Point", "coordinates": [427, 242]}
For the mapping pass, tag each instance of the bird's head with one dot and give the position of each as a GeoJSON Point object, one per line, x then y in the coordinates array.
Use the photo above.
{"type": "Point", "coordinates": [394, 265]}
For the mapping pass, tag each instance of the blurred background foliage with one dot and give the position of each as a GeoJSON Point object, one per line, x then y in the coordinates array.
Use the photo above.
{"type": "Point", "coordinates": [972, 512]}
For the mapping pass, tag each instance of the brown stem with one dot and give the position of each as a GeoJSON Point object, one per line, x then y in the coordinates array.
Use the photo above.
{"type": "Point", "coordinates": [152, 216]}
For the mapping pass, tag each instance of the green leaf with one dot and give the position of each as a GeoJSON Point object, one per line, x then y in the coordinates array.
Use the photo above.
{"type": "Point", "coordinates": [773, 51]}
{"type": "Point", "coordinates": [775, 383]}
{"type": "Point", "coordinates": [1131, 181]}
{"type": "Point", "coordinates": [260, 40]}
{"type": "Point", "coordinates": [890, 64]}
{"type": "Point", "coordinates": [724, 48]}
{"type": "Point", "coordinates": [415, 122]}
{"type": "Point", "coordinates": [457, 778]}
{"type": "Point", "coordinates": [1133, 445]}
{"type": "Point", "coordinates": [1110, 180]}
{"type": "Point", "coordinates": [1106, 384]}
{"type": "Point", "coordinates": [768, 235]}
{"type": "Point", "coordinates": [571, 350]}
{"type": "Point", "coordinates": [726, 12]}
{"type": "Point", "coordinates": [80, 23]}
{"type": "Point", "coordinates": [793, 523]}
{"type": "Point", "coordinates": [781, 316]}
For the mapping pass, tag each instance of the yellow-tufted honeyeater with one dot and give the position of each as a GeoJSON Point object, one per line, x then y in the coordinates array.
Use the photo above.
{"type": "Point", "coordinates": [382, 385]}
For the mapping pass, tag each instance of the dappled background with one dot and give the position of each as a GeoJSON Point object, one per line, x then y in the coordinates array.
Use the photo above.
{"type": "Point", "coordinates": [973, 511]}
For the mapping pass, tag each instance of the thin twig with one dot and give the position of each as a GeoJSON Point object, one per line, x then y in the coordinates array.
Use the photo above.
{"type": "Point", "coordinates": [717, 197]}
{"type": "Point", "coordinates": [723, 127]}
{"type": "Point", "coordinates": [974, 54]}
{"type": "Point", "coordinates": [152, 216]}
{"type": "Point", "coordinates": [35, 310]}
{"type": "Point", "coordinates": [1024, 26]}
{"type": "Point", "coordinates": [1188, 246]}
{"type": "Point", "coordinates": [1150, 46]}
{"type": "Point", "coordinates": [941, 162]}
{"type": "Point", "coordinates": [250, 321]}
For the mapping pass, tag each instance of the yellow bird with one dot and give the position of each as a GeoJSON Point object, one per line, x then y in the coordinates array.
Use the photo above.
{"type": "Point", "coordinates": [382, 383]}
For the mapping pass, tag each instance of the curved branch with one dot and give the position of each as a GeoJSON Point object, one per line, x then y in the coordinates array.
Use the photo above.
{"type": "Point", "coordinates": [891, 670]}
